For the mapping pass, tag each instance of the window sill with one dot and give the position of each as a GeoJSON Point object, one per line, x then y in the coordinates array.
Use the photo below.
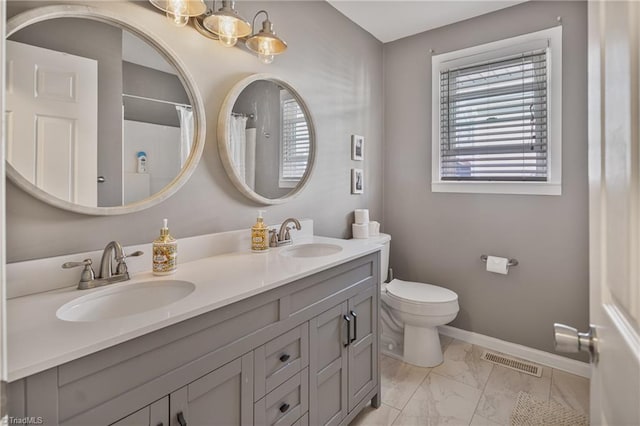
{"type": "Point", "coordinates": [520, 188]}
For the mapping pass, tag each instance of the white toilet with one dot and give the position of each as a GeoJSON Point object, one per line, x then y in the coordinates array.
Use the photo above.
{"type": "Point", "coordinates": [411, 313]}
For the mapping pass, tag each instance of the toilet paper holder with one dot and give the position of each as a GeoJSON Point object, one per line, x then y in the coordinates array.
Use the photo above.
{"type": "Point", "coordinates": [512, 262]}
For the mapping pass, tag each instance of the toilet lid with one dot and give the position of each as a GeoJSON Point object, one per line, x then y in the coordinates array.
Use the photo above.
{"type": "Point", "coordinates": [420, 292]}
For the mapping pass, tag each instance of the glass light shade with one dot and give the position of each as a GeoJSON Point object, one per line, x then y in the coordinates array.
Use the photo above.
{"type": "Point", "coordinates": [227, 25]}
{"type": "Point", "coordinates": [178, 19]}
{"type": "Point", "coordinates": [266, 45]}
{"type": "Point", "coordinates": [181, 7]}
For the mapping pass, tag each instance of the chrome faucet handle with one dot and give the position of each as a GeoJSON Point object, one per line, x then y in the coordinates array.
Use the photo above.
{"type": "Point", "coordinates": [122, 266]}
{"type": "Point", "coordinates": [87, 273]}
{"type": "Point", "coordinates": [273, 238]}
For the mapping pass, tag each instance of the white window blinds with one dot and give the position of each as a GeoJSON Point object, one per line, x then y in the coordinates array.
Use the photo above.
{"type": "Point", "coordinates": [493, 120]}
{"type": "Point", "coordinates": [294, 141]}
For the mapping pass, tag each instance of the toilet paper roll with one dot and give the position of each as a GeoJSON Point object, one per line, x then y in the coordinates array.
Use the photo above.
{"type": "Point", "coordinates": [497, 265]}
{"type": "Point", "coordinates": [360, 230]}
{"type": "Point", "coordinates": [374, 228]}
{"type": "Point", "coordinates": [362, 216]}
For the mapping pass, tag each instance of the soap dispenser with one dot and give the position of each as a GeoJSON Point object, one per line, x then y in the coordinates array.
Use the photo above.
{"type": "Point", "coordinates": [259, 235]}
{"type": "Point", "coordinates": [165, 252]}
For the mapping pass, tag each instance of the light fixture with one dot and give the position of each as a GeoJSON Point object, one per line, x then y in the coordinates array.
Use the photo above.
{"type": "Point", "coordinates": [179, 11]}
{"type": "Point", "coordinates": [227, 24]}
{"type": "Point", "coordinates": [265, 43]}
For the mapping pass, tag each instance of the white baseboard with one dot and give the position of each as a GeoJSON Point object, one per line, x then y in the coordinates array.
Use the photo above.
{"type": "Point", "coordinates": [534, 355]}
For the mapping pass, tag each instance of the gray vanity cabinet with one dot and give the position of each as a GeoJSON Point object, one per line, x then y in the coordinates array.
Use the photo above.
{"type": "Point", "coordinates": [156, 414]}
{"type": "Point", "coordinates": [222, 397]}
{"type": "Point", "coordinates": [344, 357]}
{"type": "Point", "coordinates": [305, 353]}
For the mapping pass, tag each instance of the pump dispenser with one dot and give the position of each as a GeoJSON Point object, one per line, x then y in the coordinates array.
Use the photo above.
{"type": "Point", "coordinates": [165, 252]}
{"type": "Point", "coordinates": [259, 235]}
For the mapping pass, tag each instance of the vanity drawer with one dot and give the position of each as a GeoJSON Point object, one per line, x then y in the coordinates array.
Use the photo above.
{"type": "Point", "coordinates": [286, 404]}
{"type": "Point", "coordinates": [302, 421]}
{"type": "Point", "coordinates": [279, 359]}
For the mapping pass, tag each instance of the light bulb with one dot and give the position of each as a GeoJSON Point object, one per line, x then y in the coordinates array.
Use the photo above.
{"type": "Point", "coordinates": [265, 59]}
{"type": "Point", "coordinates": [228, 31]}
{"type": "Point", "coordinates": [265, 54]}
{"type": "Point", "coordinates": [176, 12]}
{"type": "Point", "coordinates": [177, 19]}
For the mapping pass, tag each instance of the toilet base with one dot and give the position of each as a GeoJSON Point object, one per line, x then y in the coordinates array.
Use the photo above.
{"type": "Point", "coordinates": [422, 346]}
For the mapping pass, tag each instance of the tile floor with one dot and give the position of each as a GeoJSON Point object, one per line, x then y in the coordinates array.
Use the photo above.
{"type": "Point", "coordinates": [464, 390]}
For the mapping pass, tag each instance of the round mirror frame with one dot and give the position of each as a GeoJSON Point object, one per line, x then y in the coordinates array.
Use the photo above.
{"type": "Point", "coordinates": [224, 132]}
{"type": "Point", "coordinates": [45, 13]}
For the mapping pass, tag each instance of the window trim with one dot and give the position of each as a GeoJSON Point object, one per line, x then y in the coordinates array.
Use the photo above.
{"type": "Point", "coordinates": [553, 38]}
{"type": "Point", "coordinates": [287, 182]}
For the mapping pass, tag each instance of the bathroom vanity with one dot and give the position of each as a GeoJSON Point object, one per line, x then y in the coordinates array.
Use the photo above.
{"type": "Point", "coordinates": [274, 338]}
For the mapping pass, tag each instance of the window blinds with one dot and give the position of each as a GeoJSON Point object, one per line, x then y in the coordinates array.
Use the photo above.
{"type": "Point", "coordinates": [493, 120]}
{"type": "Point", "coordinates": [295, 141]}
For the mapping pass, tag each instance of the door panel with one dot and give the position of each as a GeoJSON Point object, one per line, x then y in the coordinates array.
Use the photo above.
{"type": "Point", "coordinates": [52, 108]}
{"type": "Point", "coordinates": [363, 351]}
{"type": "Point", "coordinates": [614, 170]}
{"type": "Point", "coordinates": [224, 396]}
{"type": "Point", "coordinates": [328, 367]}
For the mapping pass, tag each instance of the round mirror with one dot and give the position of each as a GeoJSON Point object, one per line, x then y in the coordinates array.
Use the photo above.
{"type": "Point", "coordinates": [101, 118]}
{"type": "Point", "coordinates": [266, 139]}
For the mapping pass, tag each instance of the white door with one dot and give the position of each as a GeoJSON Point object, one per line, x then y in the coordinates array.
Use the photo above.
{"type": "Point", "coordinates": [3, 334]}
{"type": "Point", "coordinates": [614, 210]}
{"type": "Point", "coordinates": [52, 116]}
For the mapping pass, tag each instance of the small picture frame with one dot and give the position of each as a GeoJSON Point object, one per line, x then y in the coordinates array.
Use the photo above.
{"type": "Point", "coordinates": [357, 147]}
{"type": "Point", "coordinates": [357, 181]}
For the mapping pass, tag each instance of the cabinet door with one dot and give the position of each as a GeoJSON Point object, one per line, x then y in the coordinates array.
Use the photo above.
{"type": "Point", "coordinates": [328, 366]}
{"type": "Point", "coordinates": [156, 414]}
{"type": "Point", "coordinates": [363, 348]}
{"type": "Point", "coordinates": [222, 397]}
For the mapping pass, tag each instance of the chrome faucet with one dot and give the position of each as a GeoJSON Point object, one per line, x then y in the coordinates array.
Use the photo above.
{"type": "Point", "coordinates": [112, 251]}
{"type": "Point", "coordinates": [283, 236]}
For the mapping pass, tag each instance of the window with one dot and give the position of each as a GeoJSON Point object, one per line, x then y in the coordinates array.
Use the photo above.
{"type": "Point", "coordinates": [497, 117]}
{"type": "Point", "coordinates": [294, 141]}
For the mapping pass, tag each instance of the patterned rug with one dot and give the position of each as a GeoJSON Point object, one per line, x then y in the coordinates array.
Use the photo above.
{"type": "Point", "coordinates": [529, 411]}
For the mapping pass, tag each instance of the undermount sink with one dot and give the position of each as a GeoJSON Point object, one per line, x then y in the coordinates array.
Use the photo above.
{"type": "Point", "coordinates": [125, 300]}
{"type": "Point", "coordinates": [312, 250]}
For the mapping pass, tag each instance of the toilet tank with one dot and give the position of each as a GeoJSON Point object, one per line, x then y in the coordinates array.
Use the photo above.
{"type": "Point", "coordinates": [385, 240]}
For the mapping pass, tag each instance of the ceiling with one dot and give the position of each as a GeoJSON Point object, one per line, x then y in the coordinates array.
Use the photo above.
{"type": "Point", "coordinates": [389, 20]}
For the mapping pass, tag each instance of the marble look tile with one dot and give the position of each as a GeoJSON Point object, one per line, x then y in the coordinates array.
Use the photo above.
{"type": "Point", "coordinates": [502, 389]}
{"type": "Point", "coordinates": [399, 381]}
{"type": "Point", "coordinates": [481, 421]}
{"type": "Point", "coordinates": [440, 401]}
{"type": "Point", "coordinates": [570, 390]}
{"type": "Point", "coordinates": [381, 416]}
{"type": "Point", "coordinates": [445, 341]}
{"type": "Point", "coordinates": [462, 363]}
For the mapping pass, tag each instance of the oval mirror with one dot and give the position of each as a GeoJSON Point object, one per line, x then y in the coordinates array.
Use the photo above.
{"type": "Point", "coordinates": [266, 139]}
{"type": "Point", "coordinates": [102, 119]}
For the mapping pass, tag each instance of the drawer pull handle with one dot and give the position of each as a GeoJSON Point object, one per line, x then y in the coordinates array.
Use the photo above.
{"type": "Point", "coordinates": [348, 320]}
{"type": "Point", "coordinates": [355, 327]}
{"type": "Point", "coordinates": [284, 407]}
{"type": "Point", "coordinates": [284, 357]}
{"type": "Point", "coordinates": [181, 419]}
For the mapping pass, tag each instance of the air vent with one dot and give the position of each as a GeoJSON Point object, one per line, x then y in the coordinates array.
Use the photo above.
{"type": "Point", "coordinates": [513, 363]}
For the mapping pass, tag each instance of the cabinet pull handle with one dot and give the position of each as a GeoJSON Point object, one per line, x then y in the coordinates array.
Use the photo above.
{"type": "Point", "coordinates": [284, 357]}
{"type": "Point", "coordinates": [284, 407]}
{"type": "Point", "coordinates": [355, 327]}
{"type": "Point", "coordinates": [181, 419]}
{"type": "Point", "coordinates": [348, 320]}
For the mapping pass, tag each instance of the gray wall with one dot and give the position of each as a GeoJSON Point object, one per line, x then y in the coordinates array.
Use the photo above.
{"type": "Point", "coordinates": [342, 85]}
{"type": "Point", "coordinates": [150, 83]}
{"type": "Point", "coordinates": [438, 237]}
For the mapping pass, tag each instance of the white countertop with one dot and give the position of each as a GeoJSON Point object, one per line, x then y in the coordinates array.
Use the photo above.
{"type": "Point", "coordinates": [38, 340]}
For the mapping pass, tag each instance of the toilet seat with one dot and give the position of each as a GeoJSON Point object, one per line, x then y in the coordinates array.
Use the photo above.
{"type": "Point", "coordinates": [420, 298]}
